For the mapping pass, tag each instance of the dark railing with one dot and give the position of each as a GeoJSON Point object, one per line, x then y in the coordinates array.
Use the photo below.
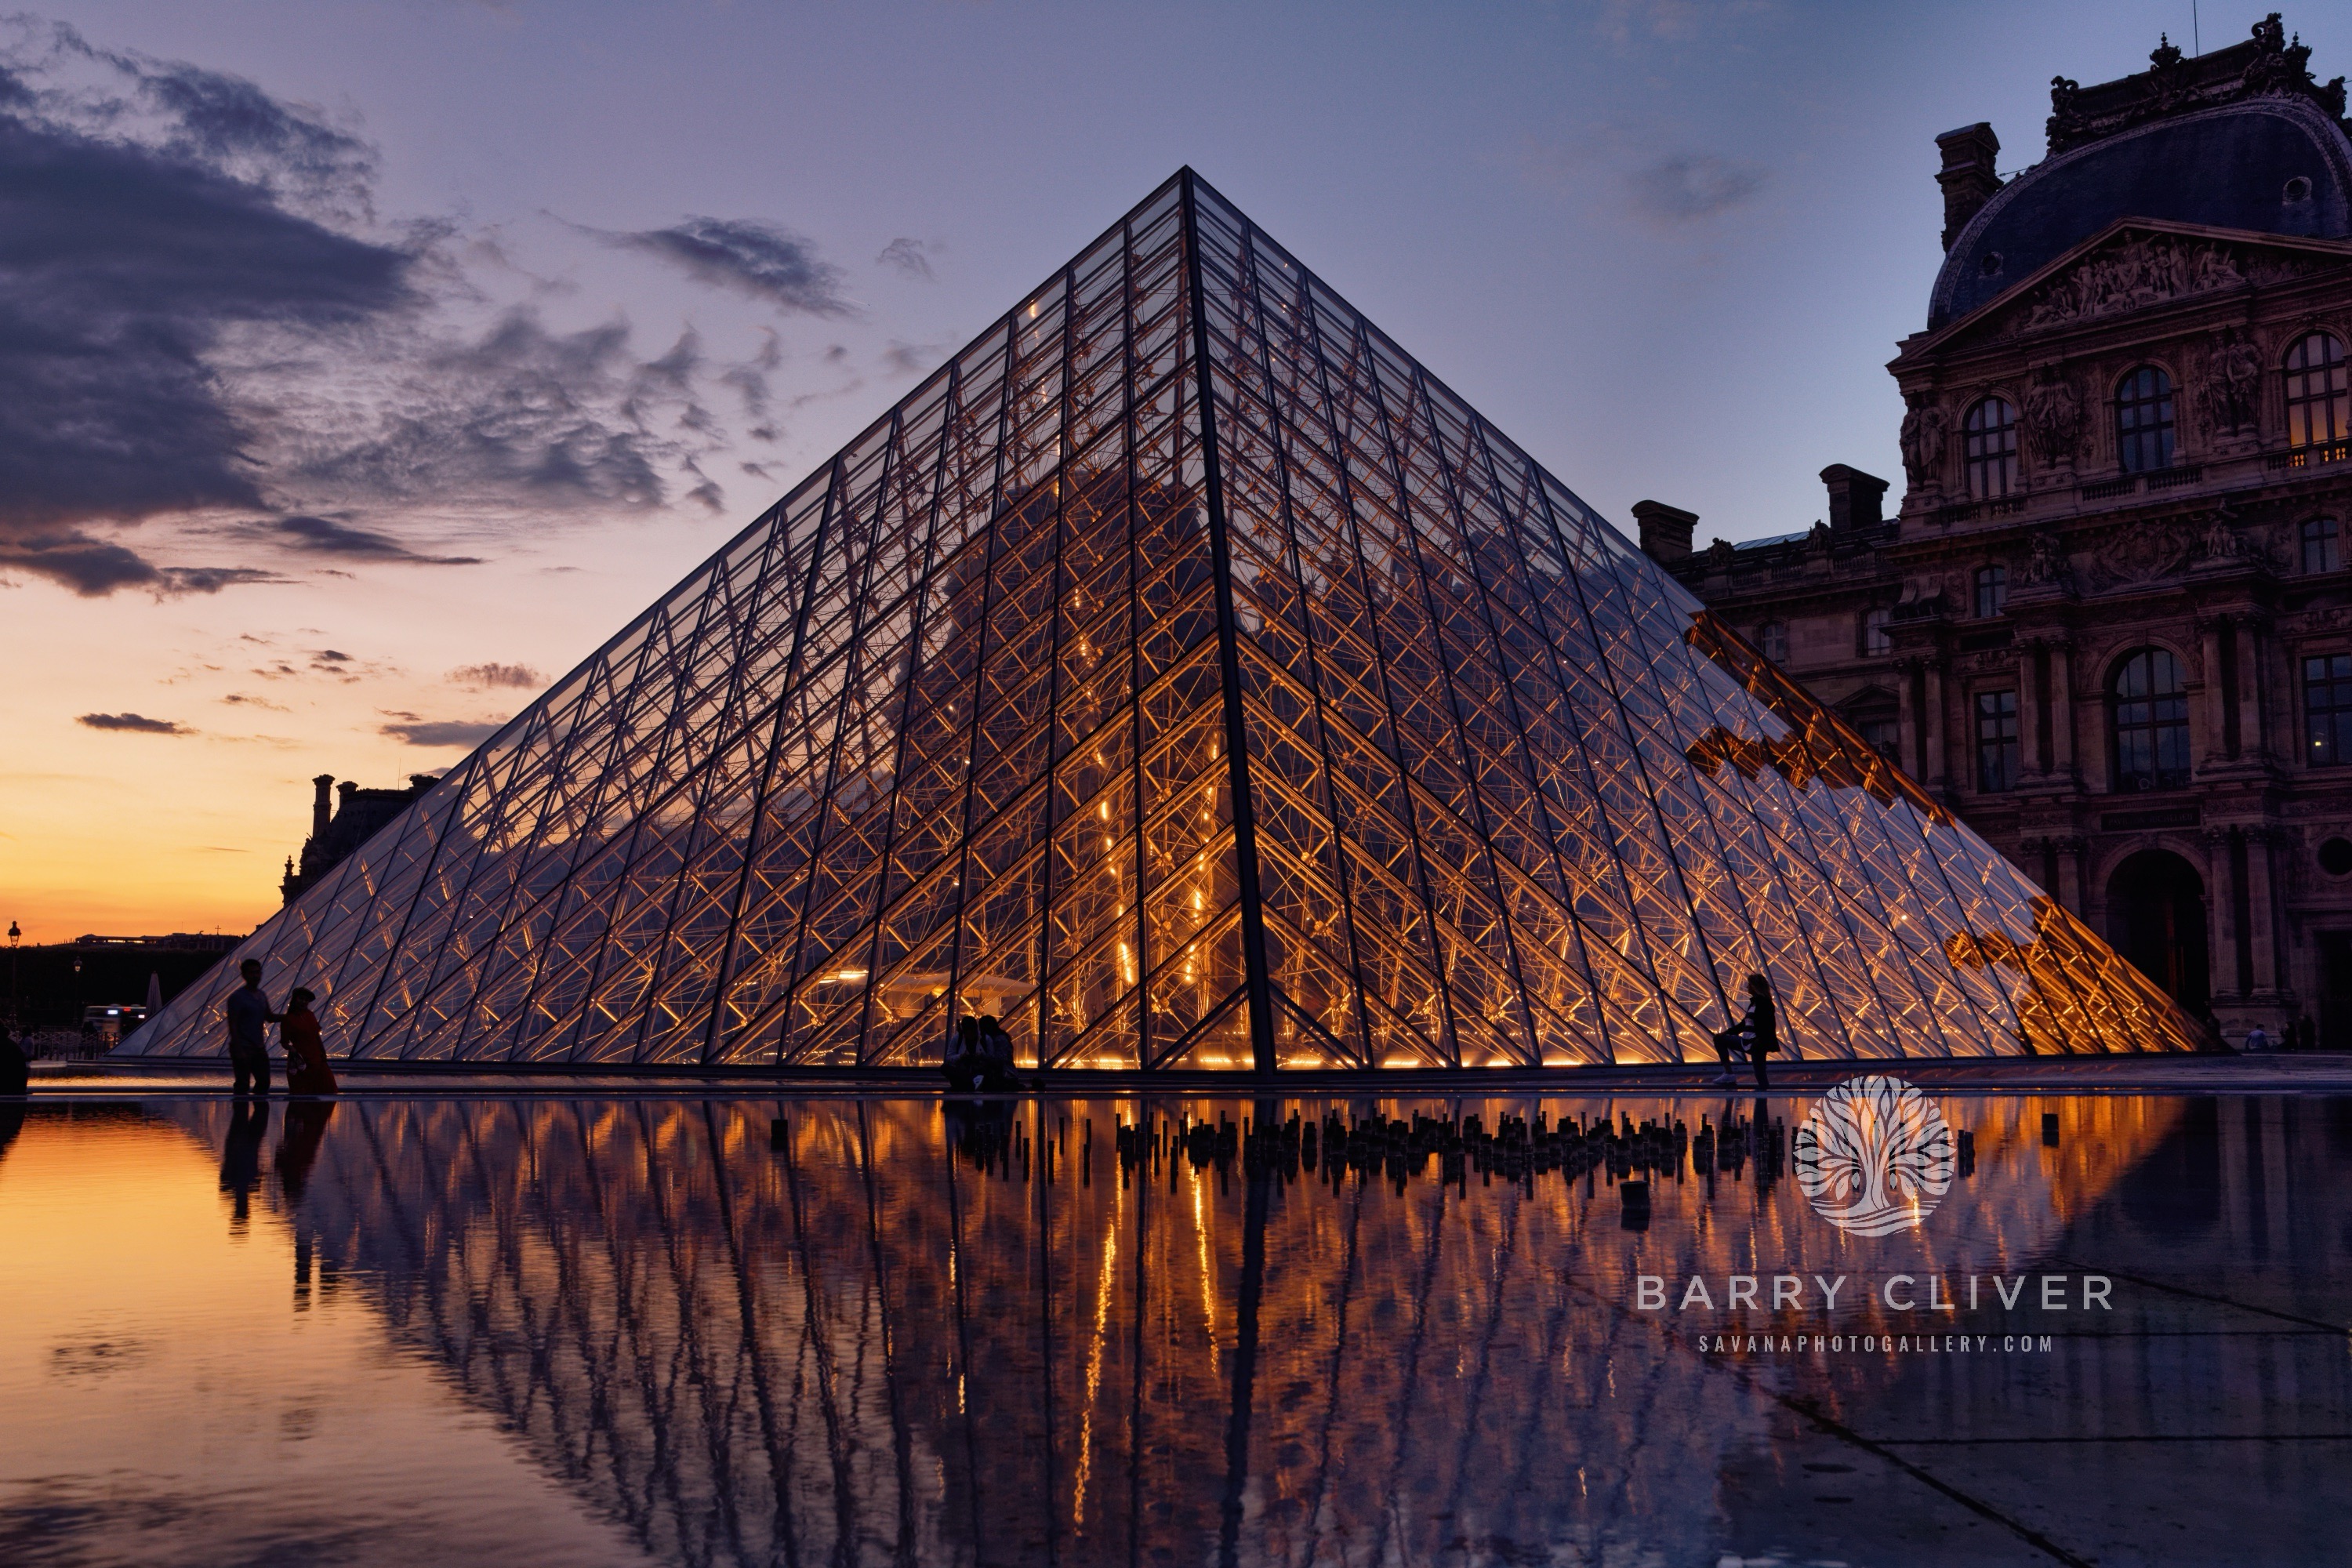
{"type": "Point", "coordinates": [2170, 479]}
{"type": "Point", "coordinates": [2106, 489]}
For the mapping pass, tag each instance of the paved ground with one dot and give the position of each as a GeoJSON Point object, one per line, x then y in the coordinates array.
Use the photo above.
{"type": "Point", "coordinates": [2315, 1073]}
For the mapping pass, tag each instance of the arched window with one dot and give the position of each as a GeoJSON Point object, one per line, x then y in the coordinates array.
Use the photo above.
{"type": "Point", "coordinates": [2318, 391]}
{"type": "Point", "coordinates": [1992, 591]}
{"type": "Point", "coordinates": [2148, 716]}
{"type": "Point", "coordinates": [2321, 545]}
{"type": "Point", "coordinates": [1992, 448]}
{"type": "Point", "coordinates": [2144, 420]}
{"type": "Point", "coordinates": [1773, 639]}
{"type": "Point", "coordinates": [1874, 637]}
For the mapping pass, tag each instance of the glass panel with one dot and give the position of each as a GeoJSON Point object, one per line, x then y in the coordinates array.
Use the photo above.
{"type": "Point", "coordinates": [949, 731]}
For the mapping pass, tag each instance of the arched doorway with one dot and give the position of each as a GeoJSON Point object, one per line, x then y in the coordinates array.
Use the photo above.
{"type": "Point", "coordinates": [2155, 909]}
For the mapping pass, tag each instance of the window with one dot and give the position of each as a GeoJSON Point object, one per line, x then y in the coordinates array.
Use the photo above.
{"type": "Point", "coordinates": [2144, 420]}
{"type": "Point", "coordinates": [2150, 715]}
{"type": "Point", "coordinates": [2319, 393]}
{"type": "Point", "coordinates": [1875, 715]}
{"type": "Point", "coordinates": [1774, 640]}
{"type": "Point", "coordinates": [2327, 709]}
{"type": "Point", "coordinates": [1992, 591]}
{"type": "Point", "coordinates": [1996, 741]}
{"type": "Point", "coordinates": [1992, 448]}
{"type": "Point", "coordinates": [1875, 639]}
{"type": "Point", "coordinates": [2320, 545]}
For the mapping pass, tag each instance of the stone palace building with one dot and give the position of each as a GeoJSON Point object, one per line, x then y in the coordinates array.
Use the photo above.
{"type": "Point", "coordinates": [2110, 623]}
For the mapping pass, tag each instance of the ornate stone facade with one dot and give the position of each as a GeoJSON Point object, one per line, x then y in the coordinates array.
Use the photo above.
{"type": "Point", "coordinates": [2013, 634]}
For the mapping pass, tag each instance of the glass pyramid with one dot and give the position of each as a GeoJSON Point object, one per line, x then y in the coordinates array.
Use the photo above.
{"type": "Point", "coordinates": [1185, 675]}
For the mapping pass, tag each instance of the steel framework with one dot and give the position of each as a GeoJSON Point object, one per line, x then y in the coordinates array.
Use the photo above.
{"type": "Point", "coordinates": [1185, 675]}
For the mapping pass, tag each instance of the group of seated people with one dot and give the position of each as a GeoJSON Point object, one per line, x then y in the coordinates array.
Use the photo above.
{"type": "Point", "coordinates": [979, 1057]}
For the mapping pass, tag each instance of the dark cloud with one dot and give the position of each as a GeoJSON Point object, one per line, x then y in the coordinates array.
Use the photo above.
{"type": "Point", "coordinates": [521, 415]}
{"type": "Point", "coordinates": [910, 257]}
{"type": "Point", "coordinates": [327, 537]}
{"type": "Point", "coordinates": [133, 724]}
{"type": "Point", "coordinates": [198, 313]}
{"type": "Point", "coordinates": [1686, 185]}
{"type": "Point", "coordinates": [231, 123]}
{"type": "Point", "coordinates": [443, 731]}
{"type": "Point", "coordinates": [123, 265]}
{"type": "Point", "coordinates": [240, 700]}
{"type": "Point", "coordinates": [96, 567]}
{"type": "Point", "coordinates": [484, 676]}
{"type": "Point", "coordinates": [910, 358]}
{"type": "Point", "coordinates": [754, 258]}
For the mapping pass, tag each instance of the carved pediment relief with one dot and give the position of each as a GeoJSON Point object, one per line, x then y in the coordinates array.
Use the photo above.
{"type": "Point", "coordinates": [2136, 270]}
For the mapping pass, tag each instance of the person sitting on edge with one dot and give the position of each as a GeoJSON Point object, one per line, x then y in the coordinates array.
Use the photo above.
{"type": "Point", "coordinates": [964, 1066]}
{"type": "Point", "coordinates": [2257, 1040]}
{"type": "Point", "coordinates": [246, 1010]}
{"type": "Point", "coordinates": [1728, 1041]}
{"type": "Point", "coordinates": [996, 1050]}
{"type": "Point", "coordinates": [307, 1071]}
{"type": "Point", "coordinates": [1763, 1037]}
{"type": "Point", "coordinates": [16, 1072]}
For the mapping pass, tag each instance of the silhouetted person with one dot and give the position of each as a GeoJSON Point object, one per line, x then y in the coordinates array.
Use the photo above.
{"type": "Point", "coordinates": [16, 1072]}
{"type": "Point", "coordinates": [963, 1067]}
{"type": "Point", "coordinates": [240, 1172]}
{"type": "Point", "coordinates": [996, 1050]}
{"type": "Point", "coordinates": [1728, 1039]}
{"type": "Point", "coordinates": [1763, 1032]}
{"type": "Point", "coordinates": [248, 1011]}
{"type": "Point", "coordinates": [307, 1071]}
{"type": "Point", "coordinates": [2257, 1038]}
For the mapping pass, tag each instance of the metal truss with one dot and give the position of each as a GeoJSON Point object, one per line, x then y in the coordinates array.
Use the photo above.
{"type": "Point", "coordinates": [1185, 675]}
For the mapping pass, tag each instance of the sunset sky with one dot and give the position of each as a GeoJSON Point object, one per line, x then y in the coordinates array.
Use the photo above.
{"type": "Point", "coordinates": [364, 366]}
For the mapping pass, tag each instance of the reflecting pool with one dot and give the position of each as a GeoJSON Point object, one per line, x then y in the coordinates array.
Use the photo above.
{"type": "Point", "coordinates": [463, 1327]}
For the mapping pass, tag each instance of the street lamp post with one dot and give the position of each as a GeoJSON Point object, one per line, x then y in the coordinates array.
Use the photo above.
{"type": "Point", "coordinates": [16, 934]}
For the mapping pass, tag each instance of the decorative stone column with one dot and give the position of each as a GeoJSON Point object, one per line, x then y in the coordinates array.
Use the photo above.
{"type": "Point", "coordinates": [2253, 726]}
{"type": "Point", "coordinates": [2210, 747]}
{"type": "Point", "coordinates": [2031, 762]}
{"type": "Point", "coordinates": [1934, 718]}
{"type": "Point", "coordinates": [2072, 851]}
{"type": "Point", "coordinates": [2220, 917]}
{"type": "Point", "coordinates": [2260, 916]}
{"type": "Point", "coordinates": [1906, 713]}
{"type": "Point", "coordinates": [2061, 715]}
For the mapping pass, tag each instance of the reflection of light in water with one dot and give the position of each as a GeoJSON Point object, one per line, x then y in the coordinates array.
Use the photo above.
{"type": "Point", "coordinates": [722, 1347]}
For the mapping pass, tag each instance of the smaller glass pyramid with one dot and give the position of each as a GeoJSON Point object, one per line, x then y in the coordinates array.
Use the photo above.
{"type": "Point", "coordinates": [1185, 677]}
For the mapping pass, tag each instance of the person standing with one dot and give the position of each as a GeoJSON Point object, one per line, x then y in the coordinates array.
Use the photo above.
{"type": "Point", "coordinates": [307, 1071]}
{"type": "Point", "coordinates": [247, 1010]}
{"type": "Point", "coordinates": [1763, 1034]}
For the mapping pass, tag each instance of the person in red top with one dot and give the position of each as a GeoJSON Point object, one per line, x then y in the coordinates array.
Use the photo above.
{"type": "Point", "coordinates": [306, 1052]}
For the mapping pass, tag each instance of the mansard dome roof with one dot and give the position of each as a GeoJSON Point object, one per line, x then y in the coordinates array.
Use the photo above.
{"type": "Point", "coordinates": [2270, 165]}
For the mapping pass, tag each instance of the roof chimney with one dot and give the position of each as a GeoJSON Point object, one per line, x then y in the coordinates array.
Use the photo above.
{"type": "Point", "coordinates": [318, 807]}
{"type": "Point", "coordinates": [1856, 499]}
{"type": "Point", "coordinates": [1967, 175]}
{"type": "Point", "coordinates": [1665, 529]}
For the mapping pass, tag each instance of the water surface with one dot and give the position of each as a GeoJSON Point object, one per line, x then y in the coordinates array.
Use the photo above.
{"type": "Point", "coordinates": [672, 1331]}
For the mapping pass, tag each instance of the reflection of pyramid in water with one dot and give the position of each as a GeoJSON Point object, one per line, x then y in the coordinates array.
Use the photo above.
{"type": "Point", "coordinates": [1322, 728]}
